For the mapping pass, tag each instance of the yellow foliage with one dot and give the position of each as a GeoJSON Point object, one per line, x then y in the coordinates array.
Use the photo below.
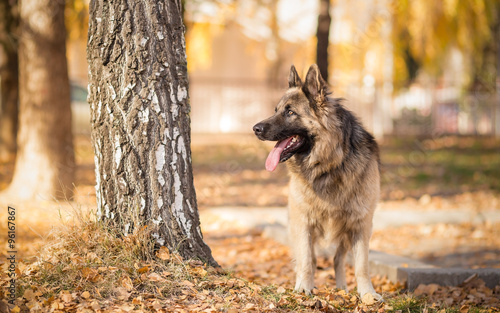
{"type": "Point", "coordinates": [199, 44]}
{"type": "Point", "coordinates": [428, 29]}
{"type": "Point", "coordinates": [77, 18]}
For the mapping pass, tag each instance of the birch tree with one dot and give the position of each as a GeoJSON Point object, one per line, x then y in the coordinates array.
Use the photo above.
{"type": "Point", "coordinates": [138, 92]}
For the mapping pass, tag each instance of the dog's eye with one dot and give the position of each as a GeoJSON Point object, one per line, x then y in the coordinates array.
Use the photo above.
{"type": "Point", "coordinates": [275, 110]}
{"type": "Point", "coordinates": [290, 113]}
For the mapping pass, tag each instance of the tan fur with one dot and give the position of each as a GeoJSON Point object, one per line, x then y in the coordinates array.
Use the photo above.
{"type": "Point", "coordinates": [334, 188]}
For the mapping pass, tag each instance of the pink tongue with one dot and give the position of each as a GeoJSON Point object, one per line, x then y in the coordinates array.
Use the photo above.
{"type": "Point", "coordinates": [274, 156]}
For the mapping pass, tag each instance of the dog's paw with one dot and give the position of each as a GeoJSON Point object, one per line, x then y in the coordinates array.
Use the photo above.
{"type": "Point", "coordinates": [371, 297]}
{"type": "Point", "coordinates": [304, 286]}
{"type": "Point", "coordinates": [342, 286]}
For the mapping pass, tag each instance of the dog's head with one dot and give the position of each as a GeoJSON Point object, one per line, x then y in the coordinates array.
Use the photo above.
{"type": "Point", "coordinates": [297, 115]}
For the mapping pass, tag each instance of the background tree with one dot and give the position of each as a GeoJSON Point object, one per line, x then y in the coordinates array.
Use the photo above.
{"type": "Point", "coordinates": [140, 122]}
{"type": "Point", "coordinates": [424, 32]}
{"type": "Point", "coordinates": [323, 37]}
{"type": "Point", "coordinates": [9, 77]}
{"type": "Point", "coordinates": [275, 75]}
{"type": "Point", "coordinates": [45, 159]}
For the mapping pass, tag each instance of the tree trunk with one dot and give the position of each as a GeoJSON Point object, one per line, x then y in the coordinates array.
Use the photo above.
{"type": "Point", "coordinates": [9, 87]}
{"type": "Point", "coordinates": [140, 122]}
{"type": "Point", "coordinates": [45, 159]}
{"type": "Point", "coordinates": [275, 43]}
{"type": "Point", "coordinates": [323, 35]}
{"type": "Point", "coordinates": [496, 35]}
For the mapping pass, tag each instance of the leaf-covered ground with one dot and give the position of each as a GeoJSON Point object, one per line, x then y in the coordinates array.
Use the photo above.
{"type": "Point", "coordinates": [67, 263]}
{"type": "Point", "coordinates": [83, 267]}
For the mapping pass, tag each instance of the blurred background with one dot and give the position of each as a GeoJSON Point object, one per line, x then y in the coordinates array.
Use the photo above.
{"type": "Point", "coordinates": [405, 67]}
{"type": "Point", "coordinates": [423, 76]}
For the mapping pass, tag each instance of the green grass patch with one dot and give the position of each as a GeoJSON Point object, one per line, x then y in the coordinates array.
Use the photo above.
{"type": "Point", "coordinates": [406, 303]}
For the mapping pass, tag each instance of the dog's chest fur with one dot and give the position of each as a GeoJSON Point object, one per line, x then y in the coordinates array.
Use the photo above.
{"type": "Point", "coordinates": [335, 204]}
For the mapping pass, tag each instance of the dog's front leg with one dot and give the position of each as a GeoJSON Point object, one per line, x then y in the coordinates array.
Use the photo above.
{"type": "Point", "coordinates": [360, 252]}
{"type": "Point", "coordinates": [302, 245]}
{"type": "Point", "coordinates": [339, 266]}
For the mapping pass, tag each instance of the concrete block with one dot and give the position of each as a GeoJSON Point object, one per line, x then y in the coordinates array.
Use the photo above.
{"type": "Point", "coordinates": [450, 276]}
{"type": "Point", "coordinates": [393, 266]}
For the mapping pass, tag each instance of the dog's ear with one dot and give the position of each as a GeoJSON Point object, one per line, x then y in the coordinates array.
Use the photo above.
{"type": "Point", "coordinates": [315, 86]}
{"type": "Point", "coordinates": [294, 79]}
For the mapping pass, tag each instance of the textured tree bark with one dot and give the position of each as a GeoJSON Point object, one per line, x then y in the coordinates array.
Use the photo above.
{"type": "Point", "coordinates": [9, 87]}
{"type": "Point", "coordinates": [323, 35]}
{"type": "Point", "coordinates": [138, 92]}
{"type": "Point", "coordinates": [45, 159]}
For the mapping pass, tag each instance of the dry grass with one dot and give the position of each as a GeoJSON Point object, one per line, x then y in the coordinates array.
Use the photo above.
{"type": "Point", "coordinates": [91, 256]}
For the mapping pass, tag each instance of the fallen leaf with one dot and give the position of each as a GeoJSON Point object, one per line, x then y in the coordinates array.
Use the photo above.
{"type": "Point", "coordinates": [66, 297]}
{"type": "Point", "coordinates": [127, 307]}
{"type": "Point", "coordinates": [56, 305]}
{"type": "Point", "coordinates": [432, 288]}
{"type": "Point", "coordinates": [368, 299]}
{"type": "Point", "coordinates": [121, 293]}
{"type": "Point", "coordinates": [95, 305]}
{"type": "Point", "coordinates": [155, 277]}
{"type": "Point", "coordinates": [85, 294]}
{"type": "Point", "coordinates": [15, 309]}
{"type": "Point", "coordinates": [137, 300]}
{"type": "Point", "coordinates": [157, 305]}
{"type": "Point", "coordinates": [29, 295]}
{"type": "Point", "coordinates": [309, 303]}
{"type": "Point", "coordinates": [282, 301]}
{"type": "Point", "coordinates": [255, 287]}
{"type": "Point", "coordinates": [249, 306]}
{"type": "Point", "coordinates": [469, 279]}
{"type": "Point", "coordinates": [91, 256]}
{"type": "Point", "coordinates": [420, 290]}
{"type": "Point", "coordinates": [200, 271]}
{"type": "Point", "coordinates": [90, 274]}
{"type": "Point", "coordinates": [143, 269]}
{"type": "Point", "coordinates": [280, 290]}
{"type": "Point", "coordinates": [426, 289]}
{"type": "Point", "coordinates": [126, 282]}
{"type": "Point", "coordinates": [163, 254]}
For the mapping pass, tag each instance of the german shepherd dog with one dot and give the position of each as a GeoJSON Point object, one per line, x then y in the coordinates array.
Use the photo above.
{"type": "Point", "coordinates": [333, 163]}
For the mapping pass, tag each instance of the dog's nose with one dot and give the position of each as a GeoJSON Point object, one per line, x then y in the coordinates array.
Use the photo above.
{"type": "Point", "coordinates": [258, 129]}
